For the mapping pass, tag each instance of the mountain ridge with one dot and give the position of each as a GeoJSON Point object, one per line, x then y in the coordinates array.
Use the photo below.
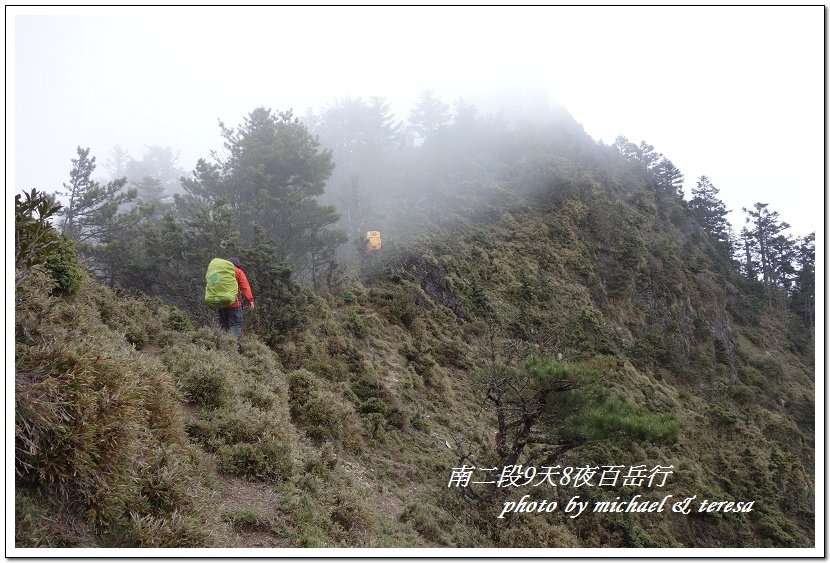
{"type": "Point", "coordinates": [585, 320]}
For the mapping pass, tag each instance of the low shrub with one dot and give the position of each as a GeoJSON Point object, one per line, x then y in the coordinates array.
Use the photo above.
{"type": "Point", "coordinates": [418, 422]}
{"type": "Point", "coordinates": [243, 423]}
{"type": "Point", "coordinates": [396, 304]}
{"type": "Point", "coordinates": [367, 385]}
{"type": "Point", "coordinates": [204, 385]}
{"type": "Point", "coordinates": [431, 522]}
{"type": "Point", "coordinates": [167, 482]}
{"type": "Point", "coordinates": [261, 397]}
{"type": "Point", "coordinates": [174, 530]}
{"type": "Point", "coordinates": [350, 513]}
{"type": "Point", "coordinates": [721, 415]}
{"type": "Point", "coordinates": [178, 321]}
{"type": "Point", "coordinates": [137, 335]}
{"type": "Point", "coordinates": [327, 417]}
{"type": "Point", "coordinates": [355, 325]}
{"type": "Point", "coordinates": [268, 459]}
{"type": "Point", "coordinates": [37, 523]}
{"type": "Point", "coordinates": [98, 428]}
{"type": "Point", "coordinates": [397, 417]}
{"type": "Point", "coordinates": [64, 267]}
{"type": "Point", "coordinates": [243, 520]}
{"type": "Point", "coordinates": [331, 370]}
{"type": "Point", "coordinates": [373, 405]}
{"type": "Point", "coordinates": [75, 418]}
{"type": "Point", "coordinates": [302, 386]}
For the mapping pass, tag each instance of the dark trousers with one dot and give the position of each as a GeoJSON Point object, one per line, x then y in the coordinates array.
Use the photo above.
{"type": "Point", "coordinates": [231, 319]}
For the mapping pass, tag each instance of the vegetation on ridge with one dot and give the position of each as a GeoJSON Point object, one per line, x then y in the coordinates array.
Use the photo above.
{"type": "Point", "coordinates": [565, 307]}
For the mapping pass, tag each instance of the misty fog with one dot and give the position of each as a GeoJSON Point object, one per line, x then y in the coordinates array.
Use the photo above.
{"type": "Point", "coordinates": [154, 83]}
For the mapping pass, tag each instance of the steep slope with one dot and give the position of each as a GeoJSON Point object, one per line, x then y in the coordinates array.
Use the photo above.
{"type": "Point", "coordinates": [134, 429]}
{"type": "Point", "coordinates": [628, 281]}
{"type": "Point", "coordinates": [575, 321]}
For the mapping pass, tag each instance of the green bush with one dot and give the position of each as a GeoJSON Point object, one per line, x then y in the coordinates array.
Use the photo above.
{"type": "Point", "coordinates": [396, 305]}
{"type": "Point", "coordinates": [302, 386]}
{"type": "Point", "coordinates": [373, 405]}
{"type": "Point", "coordinates": [282, 305]}
{"type": "Point", "coordinates": [64, 267]}
{"type": "Point", "coordinates": [367, 386]}
{"type": "Point", "coordinates": [721, 415]}
{"type": "Point", "coordinates": [354, 324]}
{"type": "Point", "coordinates": [418, 422]}
{"type": "Point", "coordinates": [242, 424]}
{"type": "Point", "coordinates": [327, 417]}
{"type": "Point", "coordinates": [397, 417]}
{"type": "Point", "coordinates": [179, 321]}
{"type": "Point", "coordinates": [421, 360]}
{"type": "Point", "coordinates": [268, 459]}
{"type": "Point", "coordinates": [34, 236]}
{"type": "Point", "coordinates": [137, 336]}
{"type": "Point", "coordinates": [350, 512]}
{"type": "Point", "coordinates": [204, 384]}
{"type": "Point", "coordinates": [742, 393]}
{"type": "Point", "coordinates": [355, 360]}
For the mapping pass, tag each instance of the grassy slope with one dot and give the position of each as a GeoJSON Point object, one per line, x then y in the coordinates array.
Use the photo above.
{"type": "Point", "coordinates": [129, 421]}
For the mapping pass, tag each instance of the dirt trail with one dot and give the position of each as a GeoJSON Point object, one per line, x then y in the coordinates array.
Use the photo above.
{"type": "Point", "coordinates": [236, 497]}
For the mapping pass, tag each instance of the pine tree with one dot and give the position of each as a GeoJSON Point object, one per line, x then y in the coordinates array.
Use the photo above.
{"type": "Point", "coordinates": [358, 132]}
{"type": "Point", "coordinates": [344, 128]}
{"type": "Point", "coordinates": [160, 163]}
{"type": "Point", "coordinates": [643, 153]}
{"type": "Point", "coordinates": [765, 226]}
{"type": "Point", "coordinates": [711, 213]}
{"type": "Point", "coordinates": [748, 251]}
{"type": "Point", "coordinates": [626, 148]}
{"type": "Point", "coordinates": [118, 161]}
{"type": "Point", "coordinates": [173, 251]}
{"type": "Point", "coordinates": [647, 155]}
{"type": "Point", "coordinates": [782, 257]}
{"type": "Point", "coordinates": [149, 189]}
{"type": "Point", "coordinates": [271, 178]}
{"type": "Point", "coordinates": [384, 130]}
{"type": "Point", "coordinates": [428, 116]}
{"type": "Point", "coordinates": [279, 300]}
{"type": "Point", "coordinates": [466, 114]}
{"type": "Point", "coordinates": [669, 178]}
{"type": "Point", "coordinates": [803, 300]}
{"type": "Point", "coordinates": [92, 210]}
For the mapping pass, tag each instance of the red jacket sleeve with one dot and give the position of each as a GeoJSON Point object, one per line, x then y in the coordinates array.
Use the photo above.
{"type": "Point", "coordinates": [244, 286]}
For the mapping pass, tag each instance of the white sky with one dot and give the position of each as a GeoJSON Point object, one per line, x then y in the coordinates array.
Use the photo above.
{"type": "Point", "coordinates": [735, 93]}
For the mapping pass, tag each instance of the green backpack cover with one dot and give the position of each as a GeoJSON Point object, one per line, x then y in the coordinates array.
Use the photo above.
{"type": "Point", "coordinates": [220, 284]}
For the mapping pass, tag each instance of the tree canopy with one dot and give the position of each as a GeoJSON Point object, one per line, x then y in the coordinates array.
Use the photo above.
{"type": "Point", "coordinates": [273, 172]}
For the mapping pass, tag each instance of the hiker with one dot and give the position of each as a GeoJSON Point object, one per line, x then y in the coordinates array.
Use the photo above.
{"type": "Point", "coordinates": [373, 241]}
{"type": "Point", "coordinates": [230, 317]}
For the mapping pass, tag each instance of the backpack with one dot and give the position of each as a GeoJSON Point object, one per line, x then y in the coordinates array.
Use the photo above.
{"type": "Point", "coordinates": [221, 288]}
{"type": "Point", "coordinates": [373, 241]}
